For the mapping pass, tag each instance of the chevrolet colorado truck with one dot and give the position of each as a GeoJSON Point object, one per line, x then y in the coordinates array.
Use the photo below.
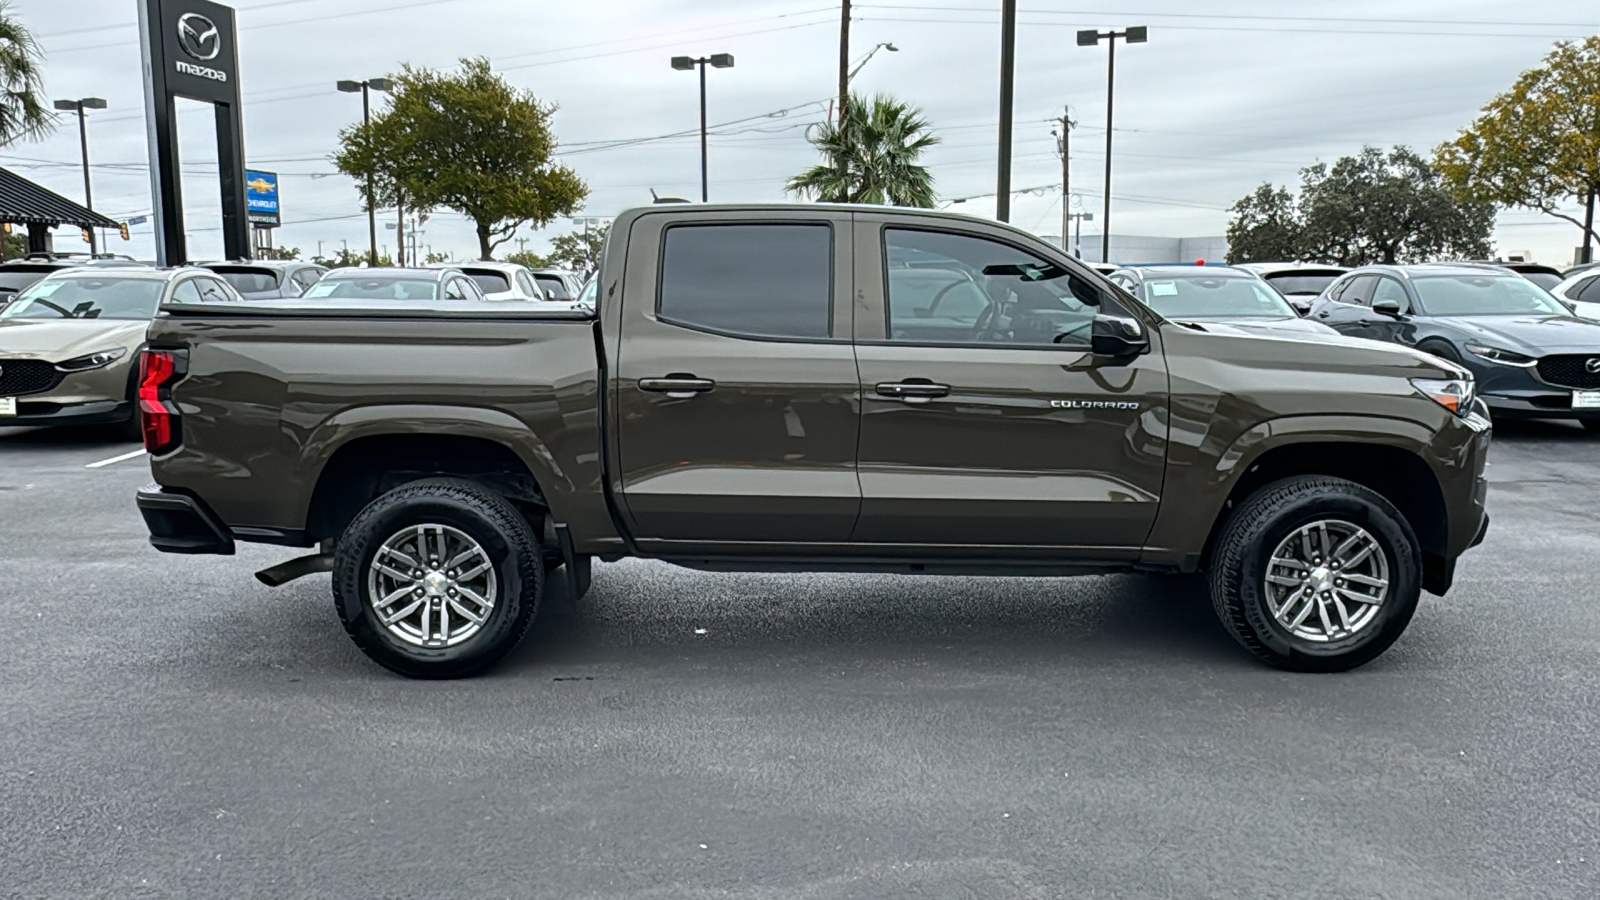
{"type": "Point", "coordinates": [809, 388]}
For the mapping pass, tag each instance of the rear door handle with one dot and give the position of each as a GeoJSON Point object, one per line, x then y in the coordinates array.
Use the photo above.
{"type": "Point", "coordinates": [677, 386]}
{"type": "Point", "coordinates": [913, 390]}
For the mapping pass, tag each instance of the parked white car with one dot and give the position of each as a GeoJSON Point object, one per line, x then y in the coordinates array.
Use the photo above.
{"type": "Point", "coordinates": [1582, 291]}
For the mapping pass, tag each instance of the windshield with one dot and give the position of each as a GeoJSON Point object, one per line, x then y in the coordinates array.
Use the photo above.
{"type": "Point", "coordinates": [88, 298]}
{"type": "Point", "coordinates": [373, 289]}
{"type": "Point", "coordinates": [250, 281]}
{"type": "Point", "coordinates": [554, 287]}
{"type": "Point", "coordinates": [591, 290]}
{"type": "Point", "coordinates": [492, 282]}
{"type": "Point", "coordinates": [1484, 295]}
{"type": "Point", "coordinates": [1192, 297]}
{"type": "Point", "coordinates": [1546, 280]}
{"type": "Point", "coordinates": [1301, 283]}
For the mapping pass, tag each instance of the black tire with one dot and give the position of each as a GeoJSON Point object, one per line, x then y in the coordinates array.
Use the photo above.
{"type": "Point", "coordinates": [1254, 531]}
{"type": "Point", "coordinates": [484, 516]}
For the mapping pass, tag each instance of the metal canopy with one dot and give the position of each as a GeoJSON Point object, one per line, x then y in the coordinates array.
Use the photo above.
{"type": "Point", "coordinates": [24, 202]}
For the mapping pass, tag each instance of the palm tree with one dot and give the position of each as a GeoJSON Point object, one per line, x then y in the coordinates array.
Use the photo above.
{"type": "Point", "coordinates": [870, 156]}
{"type": "Point", "coordinates": [22, 111]}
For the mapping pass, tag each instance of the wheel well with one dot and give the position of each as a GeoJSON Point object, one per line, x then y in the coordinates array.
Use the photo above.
{"type": "Point", "coordinates": [367, 467]}
{"type": "Point", "coordinates": [1399, 475]}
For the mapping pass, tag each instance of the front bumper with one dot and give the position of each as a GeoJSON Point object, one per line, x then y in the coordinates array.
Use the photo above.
{"type": "Point", "coordinates": [33, 412]}
{"type": "Point", "coordinates": [180, 523]}
{"type": "Point", "coordinates": [1548, 403]}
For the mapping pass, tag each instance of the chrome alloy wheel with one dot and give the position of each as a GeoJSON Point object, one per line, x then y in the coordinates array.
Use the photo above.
{"type": "Point", "coordinates": [431, 585]}
{"type": "Point", "coordinates": [1326, 581]}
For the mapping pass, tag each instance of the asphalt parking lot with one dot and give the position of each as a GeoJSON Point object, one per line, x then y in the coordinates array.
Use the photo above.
{"type": "Point", "coordinates": [171, 728]}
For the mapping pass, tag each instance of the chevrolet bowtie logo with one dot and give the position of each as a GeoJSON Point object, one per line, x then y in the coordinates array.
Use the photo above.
{"type": "Point", "coordinates": [259, 185]}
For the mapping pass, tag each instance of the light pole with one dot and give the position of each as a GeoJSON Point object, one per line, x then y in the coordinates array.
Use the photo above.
{"type": "Point", "coordinates": [586, 221]}
{"type": "Point", "coordinates": [1089, 38]}
{"type": "Point", "coordinates": [1077, 242]}
{"type": "Point", "coordinates": [83, 137]}
{"type": "Point", "coordinates": [364, 88]}
{"type": "Point", "coordinates": [684, 64]}
{"type": "Point", "coordinates": [868, 58]}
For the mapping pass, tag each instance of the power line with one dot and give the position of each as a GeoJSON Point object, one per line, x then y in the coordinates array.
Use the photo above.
{"type": "Point", "coordinates": [1363, 20]}
{"type": "Point", "coordinates": [1256, 28]}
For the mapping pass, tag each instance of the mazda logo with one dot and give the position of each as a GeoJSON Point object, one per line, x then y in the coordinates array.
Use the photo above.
{"type": "Point", "coordinates": [1593, 365]}
{"type": "Point", "coordinates": [198, 37]}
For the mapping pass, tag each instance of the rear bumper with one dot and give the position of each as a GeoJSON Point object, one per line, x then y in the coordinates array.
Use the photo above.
{"type": "Point", "coordinates": [31, 412]}
{"type": "Point", "coordinates": [180, 523]}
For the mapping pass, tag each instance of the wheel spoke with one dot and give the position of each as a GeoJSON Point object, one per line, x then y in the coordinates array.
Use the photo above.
{"type": "Point", "coordinates": [475, 571]}
{"type": "Point", "coordinates": [1344, 614]}
{"type": "Point", "coordinates": [444, 550]}
{"type": "Point", "coordinates": [392, 572]}
{"type": "Point", "coordinates": [1286, 580]}
{"type": "Point", "coordinates": [393, 598]}
{"type": "Point", "coordinates": [394, 617]}
{"type": "Point", "coordinates": [427, 621]}
{"type": "Point", "coordinates": [471, 616]}
{"type": "Point", "coordinates": [475, 597]}
{"type": "Point", "coordinates": [395, 552]}
{"type": "Point", "coordinates": [1367, 546]}
{"type": "Point", "coordinates": [1327, 542]}
{"type": "Point", "coordinates": [1322, 612]}
{"type": "Point", "coordinates": [1305, 611]}
{"type": "Point", "coordinates": [1288, 563]}
{"type": "Point", "coordinates": [1368, 580]}
{"type": "Point", "coordinates": [1305, 542]}
{"type": "Point", "coordinates": [1363, 599]}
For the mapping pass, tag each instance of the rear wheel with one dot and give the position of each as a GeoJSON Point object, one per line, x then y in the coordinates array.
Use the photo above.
{"type": "Point", "coordinates": [1316, 574]}
{"type": "Point", "coordinates": [437, 578]}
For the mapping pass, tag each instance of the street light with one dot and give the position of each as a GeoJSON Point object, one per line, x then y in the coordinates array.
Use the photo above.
{"type": "Point", "coordinates": [868, 58]}
{"type": "Point", "coordinates": [1089, 38]}
{"type": "Point", "coordinates": [83, 137]}
{"type": "Point", "coordinates": [363, 88]}
{"type": "Point", "coordinates": [684, 64]}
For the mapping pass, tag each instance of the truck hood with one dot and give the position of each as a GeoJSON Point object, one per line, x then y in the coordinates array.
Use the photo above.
{"type": "Point", "coordinates": [58, 340]}
{"type": "Point", "coordinates": [1327, 353]}
{"type": "Point", "coordinates": [1529, 335]}
{"type": "Point", "coordinates": [1256, 324]}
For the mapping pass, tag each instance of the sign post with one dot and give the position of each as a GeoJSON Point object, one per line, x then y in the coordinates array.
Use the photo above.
{"type": "Point", "coordinates": [190, 50]}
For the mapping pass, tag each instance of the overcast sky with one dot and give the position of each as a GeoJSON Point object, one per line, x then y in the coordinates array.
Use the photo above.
{"type": "Point", "coordinates": [1227, 94]}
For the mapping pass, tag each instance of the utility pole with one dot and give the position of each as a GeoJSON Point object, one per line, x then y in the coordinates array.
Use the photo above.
{"type": "Point", "coordinates": [1008, 66]}
{"type": "Point", "coordinates": [1062, 144]}
{"type": "Point", "coordinates": [844, 59]}
{"type": "Point", "coordinates": [684, 64]}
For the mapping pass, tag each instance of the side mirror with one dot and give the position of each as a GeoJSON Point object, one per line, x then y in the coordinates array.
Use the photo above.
{"type": "Point", "coordinates": [1117, 337]}
{"type": "Point", "coordinates": [1302, 305]}
{"type": "Point", "coordinates": [1390, 308]}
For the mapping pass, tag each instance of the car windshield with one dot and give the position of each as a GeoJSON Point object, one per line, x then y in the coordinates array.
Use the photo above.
{"type": "Point", "coordinates": [1301, 283]}
{"type": "Point", "coordinates": [1484, 295]}
{"type": "Point", "coordinates": [250, 281]}
{"type": "Point", "coordinates": [1201, 297]}
{"type": "Point", "coordinates": [373, 289]}
{"type": "Point", "coordinates": [88, 298]}
{"type": "Point", "coordinates": [554, 287]}
{"type": "Point", "coordinates": [491, 281]}
{"type": "Point", "coordinates": [591, 290]}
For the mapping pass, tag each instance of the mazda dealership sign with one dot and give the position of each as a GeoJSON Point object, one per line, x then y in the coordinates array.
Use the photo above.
{"type": "Point", "coordinates": [191, 50]}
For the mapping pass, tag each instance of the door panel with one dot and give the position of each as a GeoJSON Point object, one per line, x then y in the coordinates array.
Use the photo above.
{"type": "Point", "coordinates": [727, 437]}
{"type": "Point", "coordinates": [994, 436]}
{"type": "Point", "coordinates": [1011, 455]}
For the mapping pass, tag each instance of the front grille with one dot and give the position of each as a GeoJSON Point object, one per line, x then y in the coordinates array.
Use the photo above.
{"type": "Point", "coordinates": [26, 376]}
{"type": "Point", "coordinates": [1571, 370]}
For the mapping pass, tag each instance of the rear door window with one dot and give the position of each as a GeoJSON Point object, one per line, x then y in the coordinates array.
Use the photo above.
{"type": "Point", "coordinates": [1588, 291]}
{"type": "Point", "coordinates": [760, 280]}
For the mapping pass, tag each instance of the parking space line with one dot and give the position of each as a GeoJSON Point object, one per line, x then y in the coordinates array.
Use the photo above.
{"type": "Point", "coordinates": [114, 459]}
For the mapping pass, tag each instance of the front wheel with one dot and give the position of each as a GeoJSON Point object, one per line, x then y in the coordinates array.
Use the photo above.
{"type": "Point", "coordinates": [1316, 574]}
{"type": "Point", "coordinates": [437, 578]}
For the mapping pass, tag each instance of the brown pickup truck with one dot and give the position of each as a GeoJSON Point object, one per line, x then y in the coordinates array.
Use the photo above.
{"type": "Point", "coordinates": [809, 388]}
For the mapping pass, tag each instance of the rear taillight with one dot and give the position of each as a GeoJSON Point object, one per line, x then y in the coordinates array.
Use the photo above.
{"type": "Point", "coordinates": [158, 415]}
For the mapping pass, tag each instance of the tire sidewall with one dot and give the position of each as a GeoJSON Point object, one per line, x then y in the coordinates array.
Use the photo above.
{"type": "Point", "coordinates": [1397, 543]}
{"type": "Point", "coordinates": [389, 515]}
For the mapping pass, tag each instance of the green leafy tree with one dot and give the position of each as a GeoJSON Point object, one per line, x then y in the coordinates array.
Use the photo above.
{"type": "Point", "coordinates": [1387, 208]}
{"type": "Point", "coordinates": [469, 142]}
{"type": "Point", "coordinates": [1266, 227]}
{"type": "Point", "coordinates": [284, 253]}
{"type": "Point", "coordinates": [870, 156]}
{"type": "Point", "coordinates": [577, 250]}
{"type": "Point", "coordinates": [1537, 146]}
{"type": "Point", "coordinates": [23, 113]}
{"type": "Point", "coordinates": [528, 258]}
{"type": "Point", "coordinates": [433, 258]}
{"type": "Point", "coordinates": [346, 258]}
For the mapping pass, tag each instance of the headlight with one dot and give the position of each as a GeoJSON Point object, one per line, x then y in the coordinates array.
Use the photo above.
{"type": "Point", "coordinates": [1454, 394]}
{"type": "Point", "coordinates": [93, 361]}
{"type": "Point", "coordinates": [1503, 357]}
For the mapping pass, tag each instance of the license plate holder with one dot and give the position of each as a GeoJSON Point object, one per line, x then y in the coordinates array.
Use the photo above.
{"type": "Point", "coordinates": [8, 406]}
{"type": "Point", "coordinates": [1586, 399]}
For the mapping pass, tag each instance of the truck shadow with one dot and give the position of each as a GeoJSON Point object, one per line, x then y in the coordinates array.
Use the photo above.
{"type": "Point", "coordinates": [641, 610]}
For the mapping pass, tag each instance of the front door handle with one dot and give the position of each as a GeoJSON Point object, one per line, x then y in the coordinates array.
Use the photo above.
{"type": "Point", "coordinates": [677, 385]}
{"type": "Point", "coordinates": [1323, 314]}
{"type": "Point", "coordinates": [913, 390]}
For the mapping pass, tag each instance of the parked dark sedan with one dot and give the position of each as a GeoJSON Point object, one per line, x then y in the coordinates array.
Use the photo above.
{"type": "Point", "coordinates": [1214, 294]}
{"type": "Point", "coordinates": [1531, 356]}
